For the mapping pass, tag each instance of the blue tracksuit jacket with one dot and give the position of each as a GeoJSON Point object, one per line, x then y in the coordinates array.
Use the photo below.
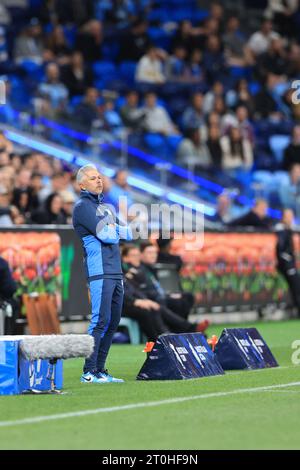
{"type": "Point", "coordinates": [100, 242]}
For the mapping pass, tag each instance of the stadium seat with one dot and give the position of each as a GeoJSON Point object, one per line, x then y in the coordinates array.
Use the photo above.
{"type": "Point", "coordinates": [277, 144]}
{"type": "Point", "coordinates": [127, 71]}
{"type": "Point", "coordinates": [133, 329]}
{"type": "Point", "coordinates": [105, 69]}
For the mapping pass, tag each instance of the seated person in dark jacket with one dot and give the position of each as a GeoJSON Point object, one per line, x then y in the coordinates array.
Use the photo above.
{"type": "Point", "coordinates": [181, 303]}
{"type": "Point", "coordinates": [51, 212]}
{"type": "Point", "coordinates": [256, 217]}
{"type": "Point", "coordinates": [77, 76]}
{"type": "Point", "coordinates": [286, 260]}
{"type": "Point", "coordinates": [164, 255]}
{"type": "Point", "coordinates": [7, 289]}
{"type": "Point", "coordinates": [292, 151]}
{"type": "Point", "coordinates": [136, 285]}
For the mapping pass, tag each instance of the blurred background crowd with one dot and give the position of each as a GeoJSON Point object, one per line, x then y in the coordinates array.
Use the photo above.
{"type": "Point", "coordinates": [207, 86]}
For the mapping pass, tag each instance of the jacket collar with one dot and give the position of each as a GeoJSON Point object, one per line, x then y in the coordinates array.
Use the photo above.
{"type": "Point", "coordinates": [94, 197]}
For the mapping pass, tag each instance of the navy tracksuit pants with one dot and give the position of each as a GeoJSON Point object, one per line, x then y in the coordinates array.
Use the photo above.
{"type": "Point", "coordinates": [106, 301]}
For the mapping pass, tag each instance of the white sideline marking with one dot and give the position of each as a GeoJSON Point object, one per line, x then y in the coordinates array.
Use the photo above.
{"type": "Point", "coordinates": [170, 401]}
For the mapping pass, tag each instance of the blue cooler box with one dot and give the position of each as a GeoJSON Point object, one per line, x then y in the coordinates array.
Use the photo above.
{"type": "Point", "coordinates": [17, 374]}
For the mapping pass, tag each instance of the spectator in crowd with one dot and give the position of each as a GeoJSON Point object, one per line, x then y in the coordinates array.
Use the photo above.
{"type": "Point", "coordinates": [57, 44]}
{"type": "Point", "coordinates": [286, 259]}
{"type": "Point", "coordinates": [193, 116]}
{"type": "Point", "coordinates": [29, 44]}
{"type": "Point", "coordinates": [268, 105]}
{"type": "Point", "coordinates": [7, 211]}
{"type": "Point", "coordinates": [292, 151]}
{"type": "Point", "coordinates": [5, 16]}
{"type": "Point", "coordinates": [281, 12]}
{"type": "Point", "coordinates": [186, 36]}
{"type": "Point", "coordinates": [289, 190]}
{"type": "Point", "coordinates": [55, 184]}
{"type": "Point", "coordinates": [135, 42]}
{"type": "Point", "coordinates": [237, 150]}
{"type": "Point", "coordinates": [3, 50]}
{"type": "Point", "coordinates": [214, 60]}
{"type": "Point", "coordinates": [150, 67]}
{"type": "Point", "coordinates": [274, 60]}
{"type": "Point", "coordinates": [256, 217]}
{"type": "Point", "coordinates": [175, 68]}
{"type": "Point", "coordinates": [35, 188]}
{"type": "Point", "coordinates": [194, 68]}
{"type": "Point", "coordinates": [66, 11]}
{"type": "Point", "coordinates": [112, 118]}
{"type": "Point", "coordinates": [89, 41]}
{"type": "Point", "coordinates": [217, 90]}
{"type": "Point", "coordinates": [87, 111]}
{"type": "Point", "coordinates": [260, 41]}
{"type": "Point", "coordinates": [240, 95]}
{"type": "Point", "coordinates": [53, 90]}
{"type": "Point", "coordinates": [156, 117]}
{"type": "Point", "coordinates": [119, 194]}
{"type": "Point", "coordinates": [120, 13]}
{"type": "Point", "coordinates": [193, 151]}
{"type": "Point", "coordinates": [77, 76]}
{"type": "Point", "coordinates": [214, 146]}
{"type": "Point", "coordinates": [68, 201]}
{"type": "Point", "coordinates": [235, 44]}
{"type": "Point", "coordinates": [8, 304]}
{"type": "Point", "coordinates": [223, 213]}
{"type": "Point", "coordinates": [241, 120]}
{"type": "Point", "coordinates": [51, 212]}
{"type": "Point", "coordinates": [132, 114]}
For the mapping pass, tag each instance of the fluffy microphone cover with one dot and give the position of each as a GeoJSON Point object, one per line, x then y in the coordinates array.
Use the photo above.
{"type": "Point", "coordinates": [57, 346]}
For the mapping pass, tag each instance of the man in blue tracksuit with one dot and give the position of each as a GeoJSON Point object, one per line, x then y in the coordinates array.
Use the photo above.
{"type": "Point", "coordinates": [100, 231]}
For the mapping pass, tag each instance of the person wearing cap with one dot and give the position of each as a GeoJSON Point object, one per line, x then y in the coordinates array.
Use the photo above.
{"type": "Point", "coordinates": [100, 232]}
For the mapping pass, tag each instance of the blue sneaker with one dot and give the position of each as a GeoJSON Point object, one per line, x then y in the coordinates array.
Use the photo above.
{"type": "Point", "coordinates": [88, 377]}
{"type": "Point", "coordinates": [105, 377]}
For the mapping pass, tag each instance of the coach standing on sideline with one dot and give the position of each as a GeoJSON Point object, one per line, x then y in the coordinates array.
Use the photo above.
{"type": "Point", "coordinates": [100, 232]}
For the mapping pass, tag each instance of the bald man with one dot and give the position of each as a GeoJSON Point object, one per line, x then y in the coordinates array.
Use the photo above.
{"type": "Point", "coordinates": [100, 232]}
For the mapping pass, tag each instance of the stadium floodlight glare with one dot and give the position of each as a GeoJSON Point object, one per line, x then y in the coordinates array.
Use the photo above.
{"type": "Point", "coordinates": [39, 146]}
{"type": "Point", "coordinates": [145, 186]}
{"type": "Point", "coordinates": [192, 204]}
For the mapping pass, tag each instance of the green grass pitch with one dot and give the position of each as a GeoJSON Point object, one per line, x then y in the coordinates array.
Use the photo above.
{"type": "Point", "coordinates": [257, 419]}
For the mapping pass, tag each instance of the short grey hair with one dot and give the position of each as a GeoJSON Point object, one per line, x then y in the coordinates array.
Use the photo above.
{"type": "Point", "coordinates": [83, 170]}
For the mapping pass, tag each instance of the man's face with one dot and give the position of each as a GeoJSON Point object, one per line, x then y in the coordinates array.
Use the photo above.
{"type": "Point", "coordinates": [92, 182]}
{"type": "Point", "coordinates": [121, 179]}
{"type": "Point", "coordinates": [149, 255]}
{"type": "Point", "coordinates": [133, 257]}
{"type": "Point", "coordinates": [288, 217]}
{"type": "Point", "coordinates": [261, 209]}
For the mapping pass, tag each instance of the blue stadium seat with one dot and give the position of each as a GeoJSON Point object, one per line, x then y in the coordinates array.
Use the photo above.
{"type": "Point", "coordinates": [105, 69]}
{"type": "Point", "coordinates": [240, 72]}
{"type": "Point", "coordinates": [127, 71]}
{"type": "Point", "coordinates": [110, 50]}
{"type": "Point", "coordinates": [156, 143]}
{"type": "Point", "coordinates": [159, 37]}
{"type": "Point", "coordinates": [277, 144]}
{"type": "Point", "coordinates": [173, 142]}
{"type": "Point", "coordinates": [34, 71]}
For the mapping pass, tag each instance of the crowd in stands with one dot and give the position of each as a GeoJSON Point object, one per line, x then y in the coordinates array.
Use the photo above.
{"type": "Point", "coordinates": [38, 189]}
{"type": "Point", "coordinates": [202, 90]}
